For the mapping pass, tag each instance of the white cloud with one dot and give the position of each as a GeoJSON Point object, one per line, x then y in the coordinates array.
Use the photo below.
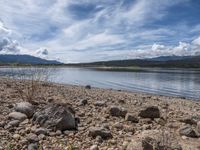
{"type": "Point", "coordinates": [114, 30]}
{"type": "Point", "coordinates": [196, 41]}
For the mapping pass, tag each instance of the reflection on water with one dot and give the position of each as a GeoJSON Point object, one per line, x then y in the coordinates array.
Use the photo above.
{"type": "Point", "coordinates": [163, 82]}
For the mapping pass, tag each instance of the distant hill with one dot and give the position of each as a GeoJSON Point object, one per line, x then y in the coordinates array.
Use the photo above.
{"type": "Point", "coordinates": [164, 61]}
{"type": "Point", "coordinates": [26, 59]}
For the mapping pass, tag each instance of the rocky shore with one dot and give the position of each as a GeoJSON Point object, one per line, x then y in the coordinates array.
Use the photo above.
{"type": "Point", "coordinates": [65, 117]}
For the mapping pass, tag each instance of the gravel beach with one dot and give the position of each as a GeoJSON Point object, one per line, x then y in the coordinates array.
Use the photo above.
{"type": "Point", "coordinates": [97, 119]}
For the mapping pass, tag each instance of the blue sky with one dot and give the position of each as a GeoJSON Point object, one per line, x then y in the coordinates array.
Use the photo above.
{"type": "Point", "coordinates": [93, 30]}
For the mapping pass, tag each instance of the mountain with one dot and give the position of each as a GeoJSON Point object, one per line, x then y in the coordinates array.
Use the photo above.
{"type": "Point", "coordinates": [26, 59]}
{"type": "Point", "coordinates": [170, 58]}
{"type": "Point", "coordinates": [164, 61]}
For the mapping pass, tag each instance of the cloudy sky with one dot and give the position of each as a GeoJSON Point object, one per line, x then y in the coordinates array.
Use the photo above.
{"type": "Point", "coordinates": [93, 30]}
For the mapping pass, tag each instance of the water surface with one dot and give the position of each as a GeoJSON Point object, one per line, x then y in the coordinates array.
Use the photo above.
{"type": "Point", "coordinates": [169, 82]}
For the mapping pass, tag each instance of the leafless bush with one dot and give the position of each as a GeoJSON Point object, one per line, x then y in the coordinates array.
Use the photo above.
{"type": "Point", "coordinates": [32, 82]}
{"type": "Point", "coordinates": [168, 140]}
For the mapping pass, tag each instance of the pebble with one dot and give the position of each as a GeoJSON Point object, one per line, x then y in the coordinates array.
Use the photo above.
{"type": "Point", "coordinates": [16, 136]}
{"type": "Point", "coordinates": [32, 138]}
{"type": "Point", "coordinates": [94, 147]}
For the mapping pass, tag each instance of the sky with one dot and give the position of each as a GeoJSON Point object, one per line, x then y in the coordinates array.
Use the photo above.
{"type": "Point", "coordinates": [94, 30]}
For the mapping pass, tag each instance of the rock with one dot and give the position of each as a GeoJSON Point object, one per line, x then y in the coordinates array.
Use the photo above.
{"type": "Point", "coordinates": [25, 108]}
{"type": "Point", "coordinates": [160, 121]}
{"type": "Point", "coordinates": [17, 116]}
{"type": "Point", "coordinates": [129, 129]}
{"type": "Point", "coordinates": [25, 122]}
{"type": "Point", "coordinates": [94, 147]}
{"type": "Point", "coordinates": [41, 131]}
{"type": "Point", "coordinates": [14, 123]}
{"type": "Point", "coordinates": [32, 138]}
{"type": "Point", "coordinates": [117, 111]}
{"type": "Point", "coordinates": [149, 144]}
{"type": "Point", "coordinates": [56, 117]}
{"type": "Point", "coordinates": [187, 131]}
{"type": "Point", "coordinates": [58, 133]}
{"type": "Point", "coordinates": [33, 146]}
{"type": "Point", "coordinates": [100, 103]}
{"type": "Point", "coordinates": [41, 137]}
{"type": "Point", "coordinates": [88, 86]}
{"type": "Point", "coordinates": [121, 101]}
{"type": "Point", "coordinates": [131, 117]}
{"type": "Point", "coordinates": [2, 124]}
{"type": "Point", "coordinates": [188, 120]}
{"type": "Point", "coordinates": [16, 136]}
{"type": "Point", "coordinates": [84, 102]}
{"type": "Point", "coordinates": [99, 131]}
{"type": "Point", "coordinates": [99, 139]}
{"type": "Point", "coordinates": [150, 112]}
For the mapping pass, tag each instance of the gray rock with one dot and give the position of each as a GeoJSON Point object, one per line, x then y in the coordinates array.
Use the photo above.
{"type": "Point", "coordinates": [56, 117]}
{"type": "Point", "coordinates": [32, 138]}
{"type": "Point", "coordinates": [99, 131]}
{"type": "Point", "coordinates": [188, 120]}
{"type": "Point", "coordinates": [17, 116]}
{"type": "Point", "coordinates": [100, 103]}
{"type": "Point", "coordinates": [88, 86]}
{"type": "Point", "coordinates": [94, 147]}
{"type": "Point", "coordinates": [33, 146]}
{"type": "Point", "coordinates": [132, 118]}
{"type": "Point", "coordinates": [39, 131]}
{"type": "Point", "coordinates": [150, 112]}
{"type": "Point", "coordinates": [188, 131]}
{"type": "Point", "coordinates": [16, 136]}
{"type": "Point", "coordinates": [58, 132]}
{"type": "Point", "coordinates": [25, 108]}
{"type": "Point", "coordinates": [84, 102]}
{"type": "Point", "coordinates": [2, 124]}
{"type": "Point", "coordinates": [14, 123]}
{"type": "Point", "coordinates": [41, 137]}
{"type": "Point", "coordinates": [117, 111]}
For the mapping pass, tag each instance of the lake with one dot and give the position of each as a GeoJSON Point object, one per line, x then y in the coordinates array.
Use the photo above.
{"type": "Point", "coordinates": [168, 82]}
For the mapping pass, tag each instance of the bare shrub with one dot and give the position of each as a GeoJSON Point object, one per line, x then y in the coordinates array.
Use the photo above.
{"type": "Point", "coordinates": [32, 82]}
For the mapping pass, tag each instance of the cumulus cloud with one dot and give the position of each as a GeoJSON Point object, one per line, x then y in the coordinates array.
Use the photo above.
{"type": "Point", "coordinates": [89, 30]}
{"type": "Point", "coordinates": [196, 41]}
{"type": "Point", "coordinates": [42, 52]}
{"type": "Point", "coordinates": [7, 45]}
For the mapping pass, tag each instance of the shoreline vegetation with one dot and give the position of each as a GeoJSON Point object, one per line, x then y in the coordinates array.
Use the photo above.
{"type": "Point", "coordinates": [94, 118]}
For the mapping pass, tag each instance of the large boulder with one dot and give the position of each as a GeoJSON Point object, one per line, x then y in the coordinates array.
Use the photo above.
{"type": "Point", "coordinates": [17, 116]}
{"type": "Point", "coordinates": [100, 131]}
{"type": "Point", "coordinates": [117, 111]}
{"type": "Point", "coordinates": [150, 112]}
{"type": "Point", "coordinates": [25, 108]}
{"type": "Point", "coordinates": [56, 117]}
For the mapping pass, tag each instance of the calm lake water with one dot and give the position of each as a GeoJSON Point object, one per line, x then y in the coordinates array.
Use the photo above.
{"type": "Point", "coordinates": [181, 83]}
